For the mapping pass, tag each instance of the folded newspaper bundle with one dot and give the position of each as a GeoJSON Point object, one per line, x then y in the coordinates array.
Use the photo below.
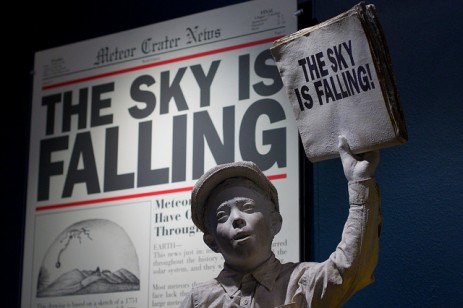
{"type": "Point", "coordinates": [339, 81]}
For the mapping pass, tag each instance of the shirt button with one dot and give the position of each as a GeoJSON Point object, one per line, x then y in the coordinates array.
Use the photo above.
{"type": "Point", "coordinates": [245, 301]}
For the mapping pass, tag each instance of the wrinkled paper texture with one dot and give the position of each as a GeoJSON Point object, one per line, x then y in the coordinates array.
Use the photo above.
{"type": "Point", "coordinates": [333, 86]}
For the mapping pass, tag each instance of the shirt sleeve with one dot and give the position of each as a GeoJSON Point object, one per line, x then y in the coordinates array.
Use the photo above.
{"type": "Point", "coordinates": [350, 267]}
{"type": "Point", "coordinates": [188, 301]}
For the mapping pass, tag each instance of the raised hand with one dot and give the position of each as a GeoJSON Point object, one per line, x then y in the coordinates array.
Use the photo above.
{"type": "Point", "coordinates": [357, 167]}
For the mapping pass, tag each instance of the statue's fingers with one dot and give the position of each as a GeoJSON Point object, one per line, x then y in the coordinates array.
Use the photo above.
{"type": "Point", "coordinates": [343, 146]}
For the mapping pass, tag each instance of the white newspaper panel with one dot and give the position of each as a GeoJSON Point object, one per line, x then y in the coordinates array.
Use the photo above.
{"type": "Point", "coordinates": [122, 127]}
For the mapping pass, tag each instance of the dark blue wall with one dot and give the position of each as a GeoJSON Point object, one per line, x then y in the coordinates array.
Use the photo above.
{"type": "Point", "coordinates": [421, 252]}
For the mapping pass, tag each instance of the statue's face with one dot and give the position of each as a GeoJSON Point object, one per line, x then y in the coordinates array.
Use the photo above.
{"type": "Point", "coordinates": [241, 225]}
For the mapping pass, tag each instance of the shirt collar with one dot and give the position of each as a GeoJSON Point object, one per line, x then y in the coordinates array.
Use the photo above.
{"type": "Point", "coordinates": [265, 275]}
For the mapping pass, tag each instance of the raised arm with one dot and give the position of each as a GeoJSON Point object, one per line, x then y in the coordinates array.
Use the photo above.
{"type": "Point", "coordinates": [350, 267]}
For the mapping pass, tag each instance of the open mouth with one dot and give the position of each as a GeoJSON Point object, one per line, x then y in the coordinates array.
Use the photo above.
{"type": "Point", "coordinates": [241, 236]}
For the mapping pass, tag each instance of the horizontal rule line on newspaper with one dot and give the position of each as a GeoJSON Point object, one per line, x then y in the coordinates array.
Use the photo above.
{"type": "Point", "coordinates": [131, 196]}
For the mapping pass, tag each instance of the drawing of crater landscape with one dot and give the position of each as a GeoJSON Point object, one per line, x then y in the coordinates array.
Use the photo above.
{"type": "Point", "coordinates": [89, 257]}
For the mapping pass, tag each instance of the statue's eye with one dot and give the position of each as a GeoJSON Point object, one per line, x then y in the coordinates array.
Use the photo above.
{"type": "Point", "coordinates": [222, 216]}
{"type": "Point", "coordinates": [248, 207]}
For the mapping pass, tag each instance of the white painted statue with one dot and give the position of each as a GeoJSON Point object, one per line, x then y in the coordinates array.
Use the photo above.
{"type": "Point", "coordinates": [236, 207]}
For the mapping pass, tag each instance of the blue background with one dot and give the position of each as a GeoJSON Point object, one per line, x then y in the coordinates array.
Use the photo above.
{"type": "Point", "coordinates": [421, 249]}
{"type": "Point", "coordinates": [421, 254]}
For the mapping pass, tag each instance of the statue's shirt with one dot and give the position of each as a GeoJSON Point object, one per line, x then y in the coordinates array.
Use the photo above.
{"type": "Point", "coordinates": [306, 284]}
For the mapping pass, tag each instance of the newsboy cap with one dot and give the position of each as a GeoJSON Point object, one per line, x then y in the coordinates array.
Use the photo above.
{"type": "Point", "coordinates": [216, 175]}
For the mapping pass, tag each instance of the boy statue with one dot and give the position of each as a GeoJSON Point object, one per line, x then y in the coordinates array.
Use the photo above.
{"type": "Point", "coordinates": [236, 207]}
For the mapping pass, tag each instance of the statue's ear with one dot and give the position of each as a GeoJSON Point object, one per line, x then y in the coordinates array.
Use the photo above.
{"type": "Point", "coordinates": [210, 242]}
{"type": "Point", "coordinates": [277, 221]}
